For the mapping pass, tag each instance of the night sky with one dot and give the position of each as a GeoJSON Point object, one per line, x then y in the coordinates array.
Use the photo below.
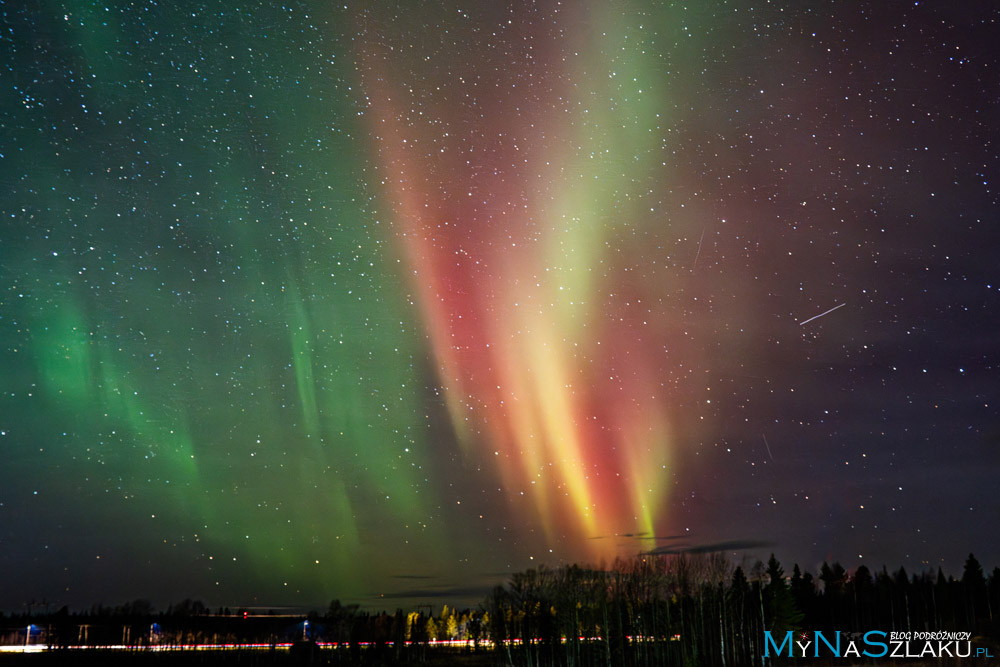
{"type": "Point", "coordinates": [384, 301]}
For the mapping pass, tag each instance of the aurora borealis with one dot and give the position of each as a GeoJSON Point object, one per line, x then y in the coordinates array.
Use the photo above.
{"type": "Point", "coordinates": [319, 300]}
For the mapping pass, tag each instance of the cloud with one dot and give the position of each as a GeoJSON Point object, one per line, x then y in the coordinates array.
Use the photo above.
{"type": "Point", "coordinates": [453, 592]}
{"type": "Point", "coordinates": [639, 536]}
{"type": "Point", "coordinates": [712, 547]}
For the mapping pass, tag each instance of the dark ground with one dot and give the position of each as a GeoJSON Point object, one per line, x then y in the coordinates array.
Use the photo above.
{"type": "Point", "coordinates": [262, 658]}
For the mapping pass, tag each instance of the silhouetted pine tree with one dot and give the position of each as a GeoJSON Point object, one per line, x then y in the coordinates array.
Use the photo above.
{"type": "Point", "coordinates": [782, 613]}
{"type": "Point", "coordinates": [974, 593]}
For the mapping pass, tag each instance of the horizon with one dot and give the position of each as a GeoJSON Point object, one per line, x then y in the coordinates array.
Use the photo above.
{"type": "Point", "coordinates": [416, 603]}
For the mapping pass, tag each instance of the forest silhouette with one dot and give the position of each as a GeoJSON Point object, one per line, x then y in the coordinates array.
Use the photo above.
{"type": "Point", "coordinates": [682, 609]}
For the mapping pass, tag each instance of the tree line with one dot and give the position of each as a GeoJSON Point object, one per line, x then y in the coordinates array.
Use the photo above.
{"type": "Point", "coordinates": [687, 609]}
{"type": "Point", "coordinates": [705, 610]}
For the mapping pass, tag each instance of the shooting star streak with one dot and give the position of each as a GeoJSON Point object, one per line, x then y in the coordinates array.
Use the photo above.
{"type": "Point", "coordinates": [771, 456]}
{"type": "Point", "coordinates": [698, 254]}
{"type": "Point", "coordinates": [816, 317]}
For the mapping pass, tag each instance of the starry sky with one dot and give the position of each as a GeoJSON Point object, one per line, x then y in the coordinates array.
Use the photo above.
{"type": "Point", "coordinates": [384, 301]}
